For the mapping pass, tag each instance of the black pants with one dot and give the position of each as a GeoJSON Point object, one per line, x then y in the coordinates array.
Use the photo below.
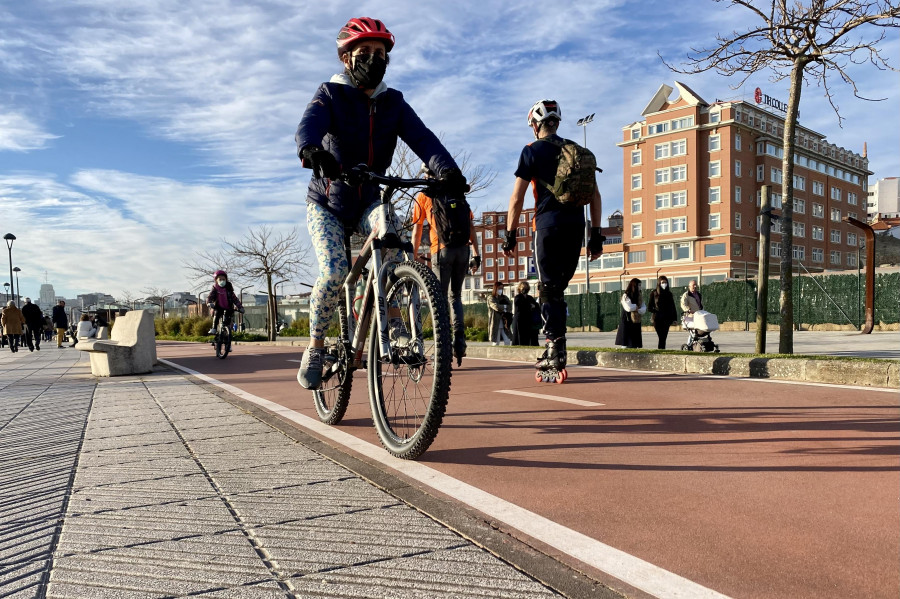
{"type": "Point", "coordinates": [33, 336]}
{"type": "Point", "coordinates": [557, 250]}
{"type": "Point", "coordinates": [13, 341]}
{"type": "Point", "coordinates": [229, 317]}
{"type": "Point", "coordinates": [662, 330]}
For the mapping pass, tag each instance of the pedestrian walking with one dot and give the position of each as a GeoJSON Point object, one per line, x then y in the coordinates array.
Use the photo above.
{"type": "Point", "coordinates": [34, 324]}
{"type": "Point", "coordinates": [498, 305]}
{"type": "Point", "coordinates": [558, 221]}
{"type": "Point", "coordinates": [13, 324]}
{"type": "Point", "coordinates": [60, 321]}
{"type": "Point", "coordinates": [661, 306]}
{"type": "Point", "coordinates": [633, 308]}
{"type": "Point", "coordinates": [525, 311]}
{"type": "Point", "coordinates": [450, 260]}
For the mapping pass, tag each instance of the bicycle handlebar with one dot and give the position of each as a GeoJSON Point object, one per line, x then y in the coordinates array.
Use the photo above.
{"type": "Point", "coordinates": [362, 174]}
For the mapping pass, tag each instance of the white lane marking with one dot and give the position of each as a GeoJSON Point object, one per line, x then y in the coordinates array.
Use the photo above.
{"type": "Point", "coordinates": [709, 376]}
{"type": "Point", "coordinates": [627, 568]}
{"type": "Point", "coordinates": [298, 361]}
{"type": "Point", "coordinates": [577, 402]}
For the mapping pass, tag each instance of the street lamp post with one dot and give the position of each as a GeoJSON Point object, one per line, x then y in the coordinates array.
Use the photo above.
{"type": "Point", "coordinates": [241, 297]}
{"type": "Point", "coordinates": [9, 238]}
{"type": "Point", "coordinates": [583, 123]}
{"type": "Point", "coordinates": [17, 292]}
{"type": "Point", "coordinates": [6, 285]}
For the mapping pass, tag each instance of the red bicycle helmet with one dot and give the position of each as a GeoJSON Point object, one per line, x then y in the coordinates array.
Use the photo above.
{"type": "Point", "coordinates": [363, 28]}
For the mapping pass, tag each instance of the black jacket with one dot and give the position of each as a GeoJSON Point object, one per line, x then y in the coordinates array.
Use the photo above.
{"type": "Point", "coordinates": [59, 318]}
{"type": "Point", "coordinates": [34, 318]}
{"type": "Point", "coordinates": [662, 307]}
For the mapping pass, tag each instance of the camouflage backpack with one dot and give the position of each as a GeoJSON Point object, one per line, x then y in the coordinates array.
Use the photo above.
{"type": "Point", "coordinates": [575, 182]}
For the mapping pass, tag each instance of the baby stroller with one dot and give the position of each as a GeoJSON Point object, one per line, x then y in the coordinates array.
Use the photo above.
{"type": "Point", "coordinates": [699, 325]}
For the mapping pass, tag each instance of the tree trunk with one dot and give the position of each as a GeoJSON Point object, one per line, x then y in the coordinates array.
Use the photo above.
{"type": "Point", "coordinates": [270, 309]}
{"type": "Point", "coordinates": [786, 299]}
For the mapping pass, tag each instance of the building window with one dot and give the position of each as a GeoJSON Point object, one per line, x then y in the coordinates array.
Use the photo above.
{"type": "Point", "coordinates": [501, 261]}
{"type": "Point", "coordinates": [488, 262]}
{"type": "Point", "coordinates": [663, 175]}
{"type": "Point", "coordinates": [671, 200]}
{"type": "Point", "coordinates": [521, 274]}
{"type": "Point", "coordinates": [799, 206]}
{"type": "Point", "coordinates": [798, 252]}
{"type": "Point", "coordinates": [760, 172]}
{"type": "Point", "coordinates": [635, 181]}
{"type": "Point", "coordinates": [501, 275]}
{"type": "Point", "coordinates": [799, 229]}
{"type": "Point", "coordinates": [663, 226]}
{"type": "Point", "coordinates": [679, 198]}
{"type": "Point", "coordinates": [522, 218]}
{"type": "Point", "coordinates": [661, 151]}
{"type": "Point", "coordinates": [818, 233]}
{"type": "Point", "coordinates": [712, 250]}
{"type": "Point", "coordinates": [715, 168]}
{"type": "Point", "coordinates": [851, 259]}
{"type": "Point", "coordinates": [679, 224]}
{"type": "Point", "coordinates": [635, 205]}
{"type": "Point", "coordinates": [521, 246]}
{"type": "Point", "coordinates": [799, 183]}
{"type": "Point", "coordinates": [775, 249]}
{"type": "Point", "coordinates": [818, 255]}
{"type": "Point", "coordinates": [715, 143]}
{"type": "Point", "coordinates": [851, 198]}
{"type": "Point", "coordinates": [836, 215]}
{"type": "Point", "coordinates": [635, 230]}
{"type": "Point", "coordinates": [715, 195]}
{"type": "Point", "coordinates": [851, 239]}
{"type": "Point", "coordinates": [775, 175]}
{"type": "Point", "coordinates": [715, 116]}
{"type": "Point", "coordinates": [836, 194]}
{"type": "Point", "coordinates": [679, 173]}
{"type": "Point", "coordinates": [835, 257]}
{"type": "Point", "coordinates": [737, 220]}
{"type": "Point", "coordinates": [636, 133]}
{"type": "Point", "coordinates": [737, 194]}
{"type": "Point", "coordinates": [835, 235]}
{"type": "Point", "coordinates": [818, 188]}
{"type": "Point", "coordinates": [657, 128]}
{"type": "Point", "coordinates": [737, 249]}
{"type": "Point", "coordinates": [488, 248]}
{"type": "Point", "coordinates": [714, 221]}
{"type": "Point", "coordinates": [488, 276]}
{"type": "Point", "coordinates": [737, 168]}
{"type": "Point", "coordinates": [679, 147]}
{"type": "Point", "coordinates": [489, 233]}
{"type": "Point", "coordinates": [818, 210]}
{"type": "Point", "coordinates": [637, 257]}
{"type": "Point", "coordinates": [635, 157]}
{"type": "Point", "coordinates": [488, 220]}
{"type": "Point", "coordinates": [501, 219]}
{"type": "Point", "coordinates": [737, 141]}
{"type": "Point", "coordinates": [682, 123]}
{"type": "Point", "coordinates": [521, 260]}
{"type": "Point", "coordinates": [676, 251]}
{"type": "Point", "coordinates": [512, 275]}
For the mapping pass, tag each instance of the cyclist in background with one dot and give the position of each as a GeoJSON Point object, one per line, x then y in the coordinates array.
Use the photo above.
{"type": "Point", "coordinates": [222, 300]}
{"type": "Point", "coordinates": [354, 119]}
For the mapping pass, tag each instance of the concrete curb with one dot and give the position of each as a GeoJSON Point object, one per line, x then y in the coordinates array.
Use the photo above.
{"type": "Point", "coordinates": [869, 373]}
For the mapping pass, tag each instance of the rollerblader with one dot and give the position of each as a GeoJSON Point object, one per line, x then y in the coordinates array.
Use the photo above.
{"type": "Point", "coordinates": [563, 177]}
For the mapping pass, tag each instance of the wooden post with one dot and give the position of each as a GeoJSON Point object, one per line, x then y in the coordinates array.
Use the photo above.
{"type": "Point", "coordinates": [870, 273]}
{"type": "Point", "coordinates": [762, 286]}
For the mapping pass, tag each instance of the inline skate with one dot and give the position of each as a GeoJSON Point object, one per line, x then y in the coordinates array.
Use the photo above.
{"type": "Point", "coordinates": [551, 365]}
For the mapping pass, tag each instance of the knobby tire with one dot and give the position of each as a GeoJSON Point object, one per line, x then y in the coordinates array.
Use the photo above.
{"type": "Point", "coordinates": [333, 397]}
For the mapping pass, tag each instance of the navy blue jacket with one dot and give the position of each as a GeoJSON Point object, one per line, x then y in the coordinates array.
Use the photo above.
{"type": "Point", "coordinates": [60, 320]}
{"type": "Point", "coordinates": [357, 129]}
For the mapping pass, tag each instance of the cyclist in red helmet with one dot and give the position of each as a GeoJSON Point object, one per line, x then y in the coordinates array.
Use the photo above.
{"type": "Point", "coordinates": [222, 300]}
{"type": "Point", "coordinates": [354, 119]}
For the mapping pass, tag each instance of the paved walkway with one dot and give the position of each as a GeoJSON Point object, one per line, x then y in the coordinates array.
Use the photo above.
{"type": "Point", "coordinates": [152, 486]}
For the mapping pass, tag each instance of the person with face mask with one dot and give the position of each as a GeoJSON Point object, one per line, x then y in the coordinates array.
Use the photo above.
{"type": "Point", "coordinates": [222, 300]}
{"type": "Point", "coordinates": [354, 118]}
{"type": "Point", "coordinates": [661, 306]}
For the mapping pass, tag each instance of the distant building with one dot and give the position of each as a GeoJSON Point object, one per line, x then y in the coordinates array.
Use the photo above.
{"type": "Point", "coordinates": [47, 297]}
{"type": "Point", "coordinates": [884, 199]}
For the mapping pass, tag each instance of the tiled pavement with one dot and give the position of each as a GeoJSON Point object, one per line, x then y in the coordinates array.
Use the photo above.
{"type": "Point", "coordinates": [179, 493]}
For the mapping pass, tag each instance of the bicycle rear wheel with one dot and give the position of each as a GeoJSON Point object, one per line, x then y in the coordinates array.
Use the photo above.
{"type": "Point", "coordinates": [333, 395]}
{"type": "Point", "coordinates": [408, 389]}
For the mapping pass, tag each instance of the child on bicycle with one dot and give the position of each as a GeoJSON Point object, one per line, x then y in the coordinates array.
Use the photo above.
{"type": "Point", "coordinates": [354, 119]}
{"type": "Point", "coordinates": [222, 300]}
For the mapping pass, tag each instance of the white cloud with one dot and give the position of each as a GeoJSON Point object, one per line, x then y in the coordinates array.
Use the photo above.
{"type": "Point", "coordinates": [18, 133]}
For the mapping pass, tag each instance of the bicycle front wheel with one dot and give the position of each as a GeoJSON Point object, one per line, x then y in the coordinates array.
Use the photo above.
{"type": "Point", "coordinates": [333, 396]}
{"type": "Point", "coordinates": [409, 388]}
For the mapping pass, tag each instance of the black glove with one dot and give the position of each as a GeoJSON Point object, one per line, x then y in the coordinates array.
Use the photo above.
{"type": "Point", "coordinates": [241, 309]}
{"type": "Point", "coordinates": [510, 243]}
{"type": "Point", "coordinates": [475, 263]}
{"type": "Point", "coordinates": [595, 243]}
{"type": "Point", "coordinates": [454, 182]}
{"type": "Point", "coordinates": [322, 162]}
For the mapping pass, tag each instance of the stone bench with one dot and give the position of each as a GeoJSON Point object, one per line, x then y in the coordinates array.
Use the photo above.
{"type": "Point", "coordinates": [131, 350]}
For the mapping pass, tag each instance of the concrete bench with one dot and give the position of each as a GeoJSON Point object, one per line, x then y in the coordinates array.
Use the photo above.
{"type": "Point", "coordinates": [131, 350]}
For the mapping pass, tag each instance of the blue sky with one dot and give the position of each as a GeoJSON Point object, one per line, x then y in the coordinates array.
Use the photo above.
{"type": "Point", "coordinates": [134, 133]}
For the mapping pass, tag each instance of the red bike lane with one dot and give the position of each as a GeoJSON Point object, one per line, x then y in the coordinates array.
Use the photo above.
{"type": "Point", "coordinates": [749, 488]}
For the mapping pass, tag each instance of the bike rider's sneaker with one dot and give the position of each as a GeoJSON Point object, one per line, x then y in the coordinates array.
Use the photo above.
{"type": "Point", "coordinates": [310, 374]}
{"type": "Point", "coordinates": [399, 336]}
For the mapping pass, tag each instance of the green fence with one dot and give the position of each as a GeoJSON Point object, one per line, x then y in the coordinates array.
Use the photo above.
{"type": "Point", "coordinates": [735, 301]}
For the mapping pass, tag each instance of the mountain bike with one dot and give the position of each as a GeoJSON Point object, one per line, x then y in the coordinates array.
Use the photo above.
{"type": "Point", "coordinates": [408, 376]}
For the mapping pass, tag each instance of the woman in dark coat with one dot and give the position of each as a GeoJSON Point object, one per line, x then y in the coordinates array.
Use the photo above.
{"type": "Point", "coordinates": [523, 331]}
{"type": "Point", "coordinates": [662, 310]}
{"type": "Point", "coordinates": [633, 307]}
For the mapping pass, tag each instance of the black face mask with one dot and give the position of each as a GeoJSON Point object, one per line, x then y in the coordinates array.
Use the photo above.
{"type": "Point", "coordinates": [367, 70]}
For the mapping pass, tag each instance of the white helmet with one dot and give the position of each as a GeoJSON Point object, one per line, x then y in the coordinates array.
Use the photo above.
{"type": "Point", "coordinates": [544, 109]}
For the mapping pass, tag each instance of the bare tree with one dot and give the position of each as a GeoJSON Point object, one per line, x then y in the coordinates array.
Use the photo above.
{"type": "Point", "coordinates": [804, 42]}
{"type": "Point", "coordinates": [158, 296]}
{"type": "Point", "coordinates": [127, 297]}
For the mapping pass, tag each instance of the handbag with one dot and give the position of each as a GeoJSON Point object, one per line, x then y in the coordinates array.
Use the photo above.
{"type": "Point", "coordinates": [635, 317]}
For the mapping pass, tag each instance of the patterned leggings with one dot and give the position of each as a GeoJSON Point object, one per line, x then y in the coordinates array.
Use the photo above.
{"type": "Point", "coordinates": [327, 234]}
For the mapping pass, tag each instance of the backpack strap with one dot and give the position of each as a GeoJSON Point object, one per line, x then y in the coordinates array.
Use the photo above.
{"type": "Point", "coordinates": [559, 144]}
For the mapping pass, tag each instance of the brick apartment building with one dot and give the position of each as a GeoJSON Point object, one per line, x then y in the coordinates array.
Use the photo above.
{"type": "Point", "coordinates": [692, 179]}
